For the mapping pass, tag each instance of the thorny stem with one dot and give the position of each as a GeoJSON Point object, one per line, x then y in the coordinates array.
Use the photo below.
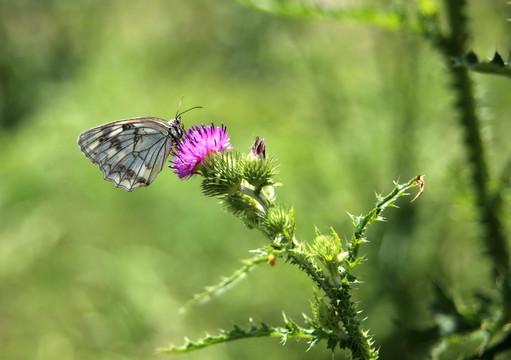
{"type": "Point", "coordinates": [340, 300]}
{"type": "Point", "coordinates": [358, 236]}
{"type": "Point", "coordinates": [454, 45]}
{"type": "Point", "coordinates": [339, 294]}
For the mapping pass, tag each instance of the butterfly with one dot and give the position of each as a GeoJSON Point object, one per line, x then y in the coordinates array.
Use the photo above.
{"type": "Point", "coordinates": [131, 152]}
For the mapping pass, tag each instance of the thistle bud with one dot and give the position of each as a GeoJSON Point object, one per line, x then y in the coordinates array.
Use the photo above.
{"type": "Point", "coordinates": [258, 149]}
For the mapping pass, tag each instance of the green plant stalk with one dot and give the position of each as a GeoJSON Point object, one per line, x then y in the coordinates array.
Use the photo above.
{"type": "Point", "coordinates": [453, 45]}
{"type": "Point", "coordinates": [237, 333]}
{"type": "Point", "coordinates": [261, 199]}
{"type": "Point", "coordinates": [360, 344]}
{"type": "Point", "coordinates": [362, 223]}
{"type": "Point", "coordinates": [248, 264]}
{"type": "Point", "coordinates": [343, 325]}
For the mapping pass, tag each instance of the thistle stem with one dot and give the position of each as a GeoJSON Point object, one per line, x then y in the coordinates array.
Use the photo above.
{"type": "Point", "coordinates": [261, 200]}
{"type": "Point", "coordinates": [453, 45]}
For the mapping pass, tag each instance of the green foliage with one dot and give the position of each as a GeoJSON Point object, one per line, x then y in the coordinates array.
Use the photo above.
{"type": "Point", "coordinates": [335, 317]}
{"type": "Point", "coordinates": [363, 14]}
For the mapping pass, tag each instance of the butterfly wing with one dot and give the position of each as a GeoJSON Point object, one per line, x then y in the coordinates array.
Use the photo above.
{"type": "Point", "coordinates": [130, 152]}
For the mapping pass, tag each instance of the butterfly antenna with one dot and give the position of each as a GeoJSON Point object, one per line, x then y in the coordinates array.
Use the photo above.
{"type": "Point", "coordinates": [179, 115]}
{"type": "Point", "coordinates": [179, 106]}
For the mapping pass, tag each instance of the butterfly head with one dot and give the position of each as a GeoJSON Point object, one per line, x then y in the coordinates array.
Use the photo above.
{"type": "Point", "coordinates": [177, 127]}
{"type": "Point", "coordinates": [177, 124]}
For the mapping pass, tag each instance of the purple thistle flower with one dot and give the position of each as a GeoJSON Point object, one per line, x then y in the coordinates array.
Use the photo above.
{"type": "Point", "coordinates": [197, 144]}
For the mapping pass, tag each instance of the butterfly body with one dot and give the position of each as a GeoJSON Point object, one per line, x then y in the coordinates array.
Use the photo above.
{"type": "Point", "coordinates": [131, 152]}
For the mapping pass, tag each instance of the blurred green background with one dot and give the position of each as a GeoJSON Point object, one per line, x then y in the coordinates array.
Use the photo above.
{"type": "Point", "coordinates": [88, 271]}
